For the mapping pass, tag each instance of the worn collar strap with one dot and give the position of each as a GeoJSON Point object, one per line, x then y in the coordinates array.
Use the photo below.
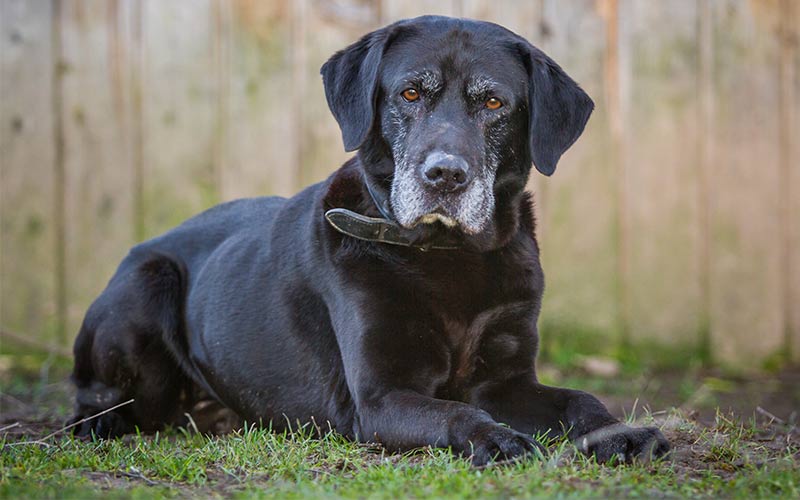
{"type": "Point", "coordinates": [383, 230]}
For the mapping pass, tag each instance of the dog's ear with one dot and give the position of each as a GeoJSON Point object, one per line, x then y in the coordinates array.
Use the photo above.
{"type": "Point", "coordinates": [350, 78]}
{"type": "Point", "coordinates": [559, 109]}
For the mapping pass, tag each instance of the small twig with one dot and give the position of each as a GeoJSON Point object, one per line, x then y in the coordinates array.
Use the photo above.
{"type": "Point", "coordinates": [15, 424]}
{"type": "Point", "coordinates": [41, 441]}
{"type": "Point", "coordinates": [79, 422]}
{"type": "Point", "coordinates": [769, 415]}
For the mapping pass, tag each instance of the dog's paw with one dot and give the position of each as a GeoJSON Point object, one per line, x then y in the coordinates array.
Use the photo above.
{"type": "Point", "coordinates": [493, 442]}
{"type": "Point", "coordinates": [106, 426]}
{"type": "Point", "coordinates": [624, 444]}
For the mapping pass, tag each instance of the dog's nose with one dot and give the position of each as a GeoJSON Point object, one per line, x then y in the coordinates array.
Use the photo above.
{"type": "Point", "coordinates": [445, 172]}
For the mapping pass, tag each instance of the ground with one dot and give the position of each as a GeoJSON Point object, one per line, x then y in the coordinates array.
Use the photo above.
{"type": "Point", "coordinates": [732, 437]}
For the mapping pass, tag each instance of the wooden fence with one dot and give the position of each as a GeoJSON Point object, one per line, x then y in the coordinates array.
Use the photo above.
{"type": "Point", "coordinates": [673, 220]}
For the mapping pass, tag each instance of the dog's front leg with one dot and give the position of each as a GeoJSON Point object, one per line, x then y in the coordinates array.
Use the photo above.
{"type": "Point", "coordinates": [404, 419]}
{"type": "Point", "coordinates": [534, 408]}
{"type": "Point", "coordinates": [393, 368]}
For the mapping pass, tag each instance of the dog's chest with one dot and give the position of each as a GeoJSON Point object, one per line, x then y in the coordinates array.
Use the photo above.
{"type": "Point", "coordinates": [484, 312]}
{"type": "Point", "coordinates": [463, 344]}
{"type": "Point", "coordinates": [477, 349]}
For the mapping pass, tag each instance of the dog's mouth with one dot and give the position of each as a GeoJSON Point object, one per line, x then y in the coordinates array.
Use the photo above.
{"type": "Point", "coordinates": [441, 218]}
{"type": "Point", "coordinates": [467, 214]}
{"type": "Point", "coordinates": [434, 217]}
{"type": "Point", "coordinates": [434, 211]}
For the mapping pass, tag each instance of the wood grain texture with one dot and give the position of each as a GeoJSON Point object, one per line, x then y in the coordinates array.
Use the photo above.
{"type": "Point", "coordinates": [680, 199]}
{"type": "Point", "coordinates": [28, 301]}
{"type": "Point", "coordinates": [98, 178]}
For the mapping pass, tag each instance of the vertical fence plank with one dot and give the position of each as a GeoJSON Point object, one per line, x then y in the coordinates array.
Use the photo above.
{"type": "Point", "coordinates": [705, 152]}
{"type": "Point", "coordinates": [659, 187]}
{"type": "Point", "coordinates": [59, 170]}
{"type": "Point", "coordinates": [578, 250]}
{"type": "Point", "coordinates": [179, 110]}
{"type": "Point", "coordinates": [261, 143]}
{"type": "Point", "coordinates": [789, 179]}
{"type": "Point", "coordinates": [28, 239]}
{"type": "Point", "coordinates": [746, 300]}
{"type": "Point", "coordinates": [135, 23]}
{"type": "Point", "coordinates": [329, 28]}
{"type": "Point", "coordinates": [221, 11]}
{"type": "Point", "coordinates": [615, 74]}
{"type": "Point", "coordinates": [299, 89]}
{"type": "Point", "coordinates": [98, 175]}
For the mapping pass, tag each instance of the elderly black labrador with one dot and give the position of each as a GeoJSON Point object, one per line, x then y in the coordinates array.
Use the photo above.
{"type": "Point", "coordinates": [396, 301]}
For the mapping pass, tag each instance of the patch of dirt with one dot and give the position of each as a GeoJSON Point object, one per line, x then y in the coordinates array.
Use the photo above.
{"type": "Point", "coordinates": [721, 449]}
{"type": "Point", "coordinates": [703, 393]}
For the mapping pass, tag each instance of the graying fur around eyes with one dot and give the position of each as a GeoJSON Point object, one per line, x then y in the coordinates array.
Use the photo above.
{"type": "Point", "coordinates": [429, 81]}
{"type": "Point", "coordinates": [479, 87]}
{"type": "Point", "coordinates": [494, 138]}
{"type": "Point", "coordinates": [398, 145]}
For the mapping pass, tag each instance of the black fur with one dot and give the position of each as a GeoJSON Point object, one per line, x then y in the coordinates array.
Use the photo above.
{"type": "Point", "coordinates": [559, 109]}
{"type": "Point", "coordinates": [262, 307]}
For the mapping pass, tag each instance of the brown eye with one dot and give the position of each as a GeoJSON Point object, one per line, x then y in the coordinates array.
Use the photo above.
{"type": "Point", "coordinates": [494, 103]}
{"type": "Point", "coordinates": [410, 95]}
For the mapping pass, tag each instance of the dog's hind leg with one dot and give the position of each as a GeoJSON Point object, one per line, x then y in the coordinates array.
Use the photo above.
{"type": "Point", "coordinates": [125, 351]}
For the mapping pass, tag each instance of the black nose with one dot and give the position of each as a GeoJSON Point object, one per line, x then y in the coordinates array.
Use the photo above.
{"type": "Point", "coordinates": [445, 172]}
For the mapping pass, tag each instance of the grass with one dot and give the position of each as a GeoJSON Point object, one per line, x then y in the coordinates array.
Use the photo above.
{"type": "Point", "coordinates": [730, 459]}
{"type": "Point", "coordinates": [722, 455]}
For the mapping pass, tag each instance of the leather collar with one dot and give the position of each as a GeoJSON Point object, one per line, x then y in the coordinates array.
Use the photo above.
{"type": "Point", "coordinates": [384, 230]}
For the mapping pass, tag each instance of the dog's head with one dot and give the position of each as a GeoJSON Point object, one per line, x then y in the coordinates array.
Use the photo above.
{"type": "Point", "coordinates": [448, 115]}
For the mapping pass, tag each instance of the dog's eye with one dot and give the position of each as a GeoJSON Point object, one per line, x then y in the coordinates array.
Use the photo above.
{"type": "Point", "coordinates": [494, 103]}
{"type": "Point", "coordinates": [410, 95]}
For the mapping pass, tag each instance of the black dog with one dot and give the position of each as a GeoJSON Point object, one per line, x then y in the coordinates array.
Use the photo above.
{"type": "Point", "coordinates": [394, 302]}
